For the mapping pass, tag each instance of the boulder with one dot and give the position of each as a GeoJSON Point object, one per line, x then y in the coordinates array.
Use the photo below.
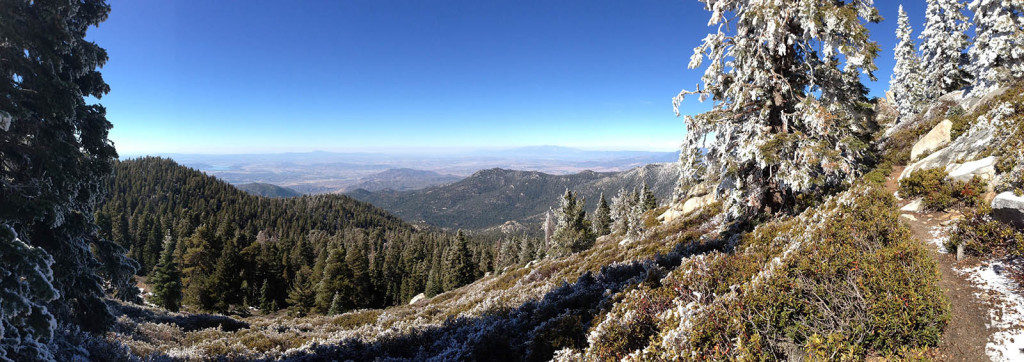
{"type": "Point", "coordinates": [966, 147]}
{"type": "Point", "coordinates": [418, 298]}
{"type": "Point", "coordinates": [984, 168]}
{"type": "Point", "coordinates": [913, 206]}
{"type": "Point", "coordinates": [937, 138]}
{"type": "Point", "coordinates": [687, 207]}
{"type": "Point", "coordinates": [1009, 208]}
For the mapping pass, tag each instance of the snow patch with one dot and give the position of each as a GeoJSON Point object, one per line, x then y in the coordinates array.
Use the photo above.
{"type": "Point", "coordinates": [939, 236]}
{"type": "Point", "coordinates": [1006, 314]}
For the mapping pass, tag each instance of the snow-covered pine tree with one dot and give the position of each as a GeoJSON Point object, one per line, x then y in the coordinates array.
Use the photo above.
{"type": "Point", "coordinates": [790, 112]}
{"type": "Point", "coordinates": [25, 289]}
{"type": "Point", "coordinates": [573, 231]}
{"type": "Point", "coordinates": [906, 83]}
{"type": "Point", "coordinates": [602, 222]}
{"type": "Point", "coordinates": [622, 207]}
{"type": "Point", "coordinates": [56, 153]}
{"type": "Point", "coordinates": [997, 55]}
{"type": "Point", "coordinates": [943, 46]}
{"type": "Point", "coordinates": [647, 199]}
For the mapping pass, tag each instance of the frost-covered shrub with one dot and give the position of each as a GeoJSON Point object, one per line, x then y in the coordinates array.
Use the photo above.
{"type": "Point", "coordinates": [979, 234]}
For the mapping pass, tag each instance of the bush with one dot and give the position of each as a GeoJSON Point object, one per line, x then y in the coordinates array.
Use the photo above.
{"type": "Point", "coordinates": [981, 235]}
{"type": "Point", "coordinates": [921, 182]}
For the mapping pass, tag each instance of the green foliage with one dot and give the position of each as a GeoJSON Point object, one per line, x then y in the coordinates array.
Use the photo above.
{"type": "Point", "coordinates": [979, 234]}
{"type": "Point", "coordinates": [165, 280]}
{"type": "Point", "coordinates": [458, 270]}
{"type": "Point", "coordinates": [921, 182]}
{"type": "Point", "coordinates": [232, 244]}
{"type": "Point", "coordinates": [573, 232]}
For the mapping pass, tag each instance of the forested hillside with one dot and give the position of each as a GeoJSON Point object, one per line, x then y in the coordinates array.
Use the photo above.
{"type": "Point", "coordinates": [230, 249]}
{"type": "Point", "coordinates": [268, 190]}
{"type": "Point", "coordinates": [492, 197]}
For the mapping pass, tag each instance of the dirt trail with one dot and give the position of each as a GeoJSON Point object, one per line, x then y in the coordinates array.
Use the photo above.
{"type": "Point", "coordinates": [966, 334]}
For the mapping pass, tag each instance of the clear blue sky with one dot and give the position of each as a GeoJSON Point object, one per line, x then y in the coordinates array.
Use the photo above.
{"type": "Point", "coordinates": [264, 77]}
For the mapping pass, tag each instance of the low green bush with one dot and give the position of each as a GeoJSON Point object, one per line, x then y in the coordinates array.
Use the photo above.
{"type": "Point", "coordinates": [981, 235]}
{"type": "Point", "coordinates": [921, 182]}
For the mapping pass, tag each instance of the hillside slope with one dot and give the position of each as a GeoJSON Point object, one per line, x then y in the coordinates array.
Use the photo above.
{"type": "Point", "coordinates": [401, 179]}
{"type": "Point", "coordinates": [235, 250]}
{"type": "Point", "coordinates": [267, 190]}
{"type": "Point", "coordinates": [492, 197]}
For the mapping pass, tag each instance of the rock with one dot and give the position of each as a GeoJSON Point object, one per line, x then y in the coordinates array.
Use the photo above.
{"type": "Point", "coordinates": [908, 217]}
{"type": "Point", "coordinates": [1009, 208]}
{"type": "Point", "coordinates": [671, 214]}
{"type": "Point", "coordinates": [967, 147]}
{"type": "Point", "coordinates": [687, 207]}
{"type": "Point", "coordinates": [418, 298]}
{"type": "Point", "coordinates": [914, 206]}
{"type": "Point", "coordinates": [984, 168]}
{"type": "Point", "coordinates": [937, 138]}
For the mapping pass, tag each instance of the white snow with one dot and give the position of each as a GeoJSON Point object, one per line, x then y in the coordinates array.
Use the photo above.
{"type": "Point", "coordinates": [1006, 313]}
{"type": "Point", "coordinates": [939, 236]}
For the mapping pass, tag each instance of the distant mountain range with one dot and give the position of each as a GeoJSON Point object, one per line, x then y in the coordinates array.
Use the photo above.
{"type": "Point", "coordinates": [402, 179]}
{"type": "Point", "coordinates": [492, 197]}
{"type": "Point", "coordinates": [267, 190]}
{"type": "Point", "coordinates": [326, 172]}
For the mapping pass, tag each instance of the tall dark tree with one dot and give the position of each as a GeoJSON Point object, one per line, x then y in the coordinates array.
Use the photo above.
{"type": "Point", "coordinates": [56, 154]}
{"type": "Point", "coordinates": [198, 263]}
{"type": "Point", "coordinates": [458, 266]}
{"type": "Point", "coordinates": [647, 200]}
{"type": "Point", "coordinates": [337, 278]}
{"type": "Point", "coordinates": [165, 280]}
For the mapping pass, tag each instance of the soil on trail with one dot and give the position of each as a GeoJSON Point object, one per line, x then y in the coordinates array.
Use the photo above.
{"type": "Point", "coordinates": [965, 336]}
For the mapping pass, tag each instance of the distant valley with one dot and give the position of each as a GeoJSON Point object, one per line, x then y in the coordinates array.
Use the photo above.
{"type": "Point", "coordinates": [492, 197]}
{"type": "Point", "coordinates": [331, 172]}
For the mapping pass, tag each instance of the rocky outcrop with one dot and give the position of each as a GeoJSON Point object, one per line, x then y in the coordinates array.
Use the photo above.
{"type": "Point", "coordinates": [698, 197]}
{"type": "Point", "coordinates": [967, 147]}
{"type": "Point", "coordinates": [984, 168]}
{"type": "Point", "coordinates": [1009, 208]}
{"type": "Point", "coordinates": [913, 206]}
{"type": "Point", "coordinates": [418, 298]}
{"type": "Point", "coordinates": [937, 138]}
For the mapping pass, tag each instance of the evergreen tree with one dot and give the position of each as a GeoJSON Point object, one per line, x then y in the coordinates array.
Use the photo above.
{"type": "Point", "coordinates": [435, 284]}
{"type": "Point", "coordinates": [55, 153]}
{"type": "Point", "coordinates": [528, 249]}
{"type": "Point", "coordinates": [906, 83]}
{"type": "Point", "coordinates": [996, 56]}
{"type": "Point", "coordinates": [602, 218]}
{"type": "Point", "coordinates": [227, 276]}
{"type": "Point", "coordinates": [943, 47]}
{"type": "Point", "coordinates": [267, 302]}
{"type": "Point", "coordinates": [647, 199]}
{"type": "Point", "coordinates": [337, 305]}
{"type": "Point", "coordinates": [198, 264]}
{"type": "Point", "coordinates": [621, 209]}
{"type": "Point", "coordinates": [458, 266]}
{"type": "Point", "coordinates": [337, 278]}
{"type": "Point", "coordinates": [573, 231]}
{"type": "Point", "coordinates": [359, 290]}
{"type": "Point", "coordinates": [790, 114]}
{"type": "Point", "coordinates": [166, 279]}
{"type": "Point", "coordinates": [302, 295]}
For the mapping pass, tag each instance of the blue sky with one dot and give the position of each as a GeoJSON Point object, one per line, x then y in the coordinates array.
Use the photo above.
{"type": "Point", "coordinates": [382, 75]}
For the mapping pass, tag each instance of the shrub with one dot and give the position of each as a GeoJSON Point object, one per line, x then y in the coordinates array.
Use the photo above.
{"type": "Point", "coordinates": [921, 182]}
{"type": "Point", "coordinates": [981, 235]}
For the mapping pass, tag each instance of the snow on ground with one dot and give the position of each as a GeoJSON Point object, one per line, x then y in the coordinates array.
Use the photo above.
{"type": "Point", "coordinates": [1006, 312]}
{"type": "Point", "coordinates": [939, 236]}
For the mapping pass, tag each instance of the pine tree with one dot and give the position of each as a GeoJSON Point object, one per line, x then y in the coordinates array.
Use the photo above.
{"type": "Point", "coordinates": [622, 207]}
{"type": "Point", "coordinates": [458, 266]}
{"type": "Point", "coordinates": [337, 278]}
{"type": "Point", "coordinates": [166, 279]}
{"type": "Point", "coordinates": [227, 276]}
{"type": "Point", "coordinates": [267, 302]}
{"type": "Point", "coordinates": [647, 199]}
{"type": "Point", "coordinates": [573, 231]}
{"type": "Point", "coordinates": [198, 263]}
{"type": "Point", "coordinates": [943, 46]}
{"type": "Point", "coordinates": [786, 119]}
{"type": "Point", "coordinates": [302, 295]}
{"type": "Point", "coordinates": [26, 288]}
{"type": "Point", "coordinates": [906, 83]}
{"type": "Point", "coordinates": [434, 284]}
{"type": "Point", "coordinates": [359, 288]}
{"type": "Point", "coordinates": [602, 218]}
{"type": "Point", "coordinates": [56, 154]}
{"type": "Point", "coordinates": [337, 306]}
{"type": "Point", "coordinates": [996, 56]}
